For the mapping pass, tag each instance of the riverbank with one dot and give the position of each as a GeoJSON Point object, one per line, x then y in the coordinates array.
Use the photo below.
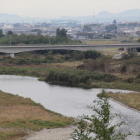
{"type": "Point", "coordinates": [89, 69]}
{"type": "Point", "coordinates": [73, 91]}
{"type": "Point", "coordinates": [20, 116]}
{"type": "Point", "coordinates": [105, 73]}
{"type": "Point", "coordinates": [131, 100]}
{"type": "Point", "coordinates": [42, 72]}
{"type": "Point", "coordinates": [52, 134]}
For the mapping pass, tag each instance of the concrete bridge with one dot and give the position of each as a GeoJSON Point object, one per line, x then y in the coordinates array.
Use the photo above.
{"type": "Point", "coordinates": [11, 50]}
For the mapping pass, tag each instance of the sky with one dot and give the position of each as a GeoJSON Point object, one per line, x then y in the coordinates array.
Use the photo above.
{"type": "Point", "coordinates": [58, 8]}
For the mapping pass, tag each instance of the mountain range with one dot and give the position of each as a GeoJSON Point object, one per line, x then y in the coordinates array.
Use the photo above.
{"type": "Point", "coordinates": [104, 16]}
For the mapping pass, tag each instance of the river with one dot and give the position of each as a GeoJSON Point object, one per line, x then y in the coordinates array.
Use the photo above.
{"type": "Point", "coordinates": [68, 101]}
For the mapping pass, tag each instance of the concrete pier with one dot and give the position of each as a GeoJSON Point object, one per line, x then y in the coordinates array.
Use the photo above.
{"type": "Point", "coordinates": [12, 55]}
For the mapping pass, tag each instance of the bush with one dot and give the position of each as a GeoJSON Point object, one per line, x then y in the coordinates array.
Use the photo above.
{"type": "Point", "coordinates": [49, 57]}
{"type": "Point", "coordinates": [92, 54]}
{"type": "Point", "coordinates": [129, 80]}
{"type": "Point", "coordinates": [75, 77]}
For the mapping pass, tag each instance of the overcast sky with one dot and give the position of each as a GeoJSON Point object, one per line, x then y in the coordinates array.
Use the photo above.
{"type": "Point", "coordinates": [58, 8]}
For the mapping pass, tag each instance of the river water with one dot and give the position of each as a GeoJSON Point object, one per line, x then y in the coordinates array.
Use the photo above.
{"type": "Point", "coordinates": [68, 101]}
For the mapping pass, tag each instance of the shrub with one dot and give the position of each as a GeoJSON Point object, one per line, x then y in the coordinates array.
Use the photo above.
{"type": "Point", "coordinates": [75, 77]}
{"type": "Point", "coordinates": [129, 80]}
{"type": "Point", "coordinates": [49, 57]}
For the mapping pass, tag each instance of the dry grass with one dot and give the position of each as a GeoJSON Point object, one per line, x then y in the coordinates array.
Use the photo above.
{"type": "Point", "coordinates": [110, 51]}
{"type": "Point", "coordinates": [129, 99]}
{"type": "Point", "coordinates": [90, 42]}
{"type": "Point", "coordinates": [20, 114]}
{"type": "Point", "coordinates": [72, 64]}
{"type": "Point", "coordinates": [41, 70]}
{"type": "Point", "coordinates": [14, 107]}
{"type": "Point", "coordinates": [65, 64]}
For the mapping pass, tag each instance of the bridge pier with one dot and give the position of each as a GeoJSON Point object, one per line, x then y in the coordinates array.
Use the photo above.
{"type": "Point", "coordinates": [12, 55]}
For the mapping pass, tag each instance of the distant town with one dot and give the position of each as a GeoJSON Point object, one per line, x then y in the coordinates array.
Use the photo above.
{"type": "Point", "coordinates": [124, 26]}
{"type": "Point", "coordinates": [76, 30]}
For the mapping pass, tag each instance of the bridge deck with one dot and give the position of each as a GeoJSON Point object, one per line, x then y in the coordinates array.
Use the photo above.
{"type": "Point", "coordinates": [18, 49]}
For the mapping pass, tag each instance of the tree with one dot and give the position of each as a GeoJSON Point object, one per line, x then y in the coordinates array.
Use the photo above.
{"type": "Point", "coordinates": [57, 32]}
{"type": "Point", "coordinates": [87, 28]}
{"type": "Point", "coordinates": [111, 27]}
{"type": "Point", "coordinates": [37, 30]}
{"type": "Point", "coordinates": [1, 34]}
{"type": "Point", "coordinates": [10, 33]}
{"type": "Point", "coordinates": [17, 25]}
{"type": "Point", "coordinates": [97, 126]}
{"type": "Point", "coordinates": [61, 32]}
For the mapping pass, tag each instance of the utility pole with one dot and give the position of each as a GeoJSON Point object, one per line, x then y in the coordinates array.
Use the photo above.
{"type": "Point", "coordinates": [93, 17]}
{"type": "Point", "coordinates": [115, 29]}
{"type": "Point", "coordinates": [10, 40]}
{"type": "Point", "coordinates": [49, 38]}
{"type": "Point", "coordinates": [115, 24]}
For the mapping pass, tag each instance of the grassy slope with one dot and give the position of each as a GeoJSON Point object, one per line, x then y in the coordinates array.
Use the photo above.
{"type": "Point", "coordinates": [131, 99]}
{"type": "Point", "coordinates": [17, 112]}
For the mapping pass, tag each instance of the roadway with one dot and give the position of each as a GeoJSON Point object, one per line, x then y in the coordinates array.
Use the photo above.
{"type": "Point", "coordinates": [18, 49]}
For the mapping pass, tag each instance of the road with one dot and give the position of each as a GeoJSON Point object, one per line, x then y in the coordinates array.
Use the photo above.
{"type": "Point", "coordinates": [18, 49]}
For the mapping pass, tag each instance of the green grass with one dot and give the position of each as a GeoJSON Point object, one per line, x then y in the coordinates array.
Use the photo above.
{"type": "Point", "coordinates": [26, 71]}
{"type": "Point", "coordinates": [36, 124]}
{"type": "Point", "coordinates": [11, 135]}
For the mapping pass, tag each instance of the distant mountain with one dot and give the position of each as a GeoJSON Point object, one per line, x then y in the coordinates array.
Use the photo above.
{"type": "Point", "coordinates": [4, 18]}
{"type": "Point", "coordinates": [129, 15]}
{"type": "Point", "coordinates": [104, 16]}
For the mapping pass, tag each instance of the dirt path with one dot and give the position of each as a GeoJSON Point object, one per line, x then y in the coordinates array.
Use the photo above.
{"type": "Point", "coordinates": [52, 134]}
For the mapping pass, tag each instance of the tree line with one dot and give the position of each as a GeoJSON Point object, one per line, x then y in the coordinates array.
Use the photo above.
{"type": "Point", "coordinates": [14, 39]}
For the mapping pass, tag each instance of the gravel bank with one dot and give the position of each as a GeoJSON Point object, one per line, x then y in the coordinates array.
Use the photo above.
{"type": "Point", "coordinates": [52, 134]}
